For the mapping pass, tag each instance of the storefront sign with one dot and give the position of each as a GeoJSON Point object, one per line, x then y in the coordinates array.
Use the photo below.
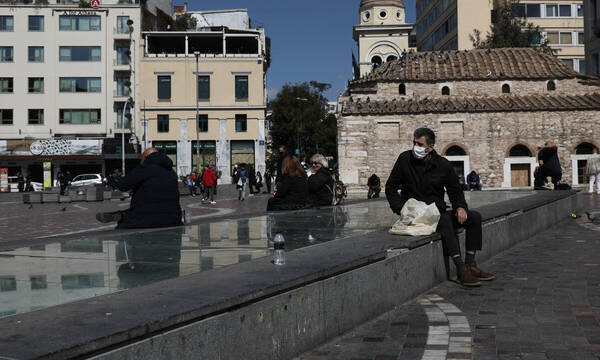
{"type": "Point", "coordinates": [4, 187]}
{"type": "Point", "coordinates": [65, 147]}
{"type": "Point", "coordinates": [47, 174]}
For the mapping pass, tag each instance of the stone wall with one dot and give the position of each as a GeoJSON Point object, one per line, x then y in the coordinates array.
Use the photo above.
{"type": "Point", "coordinates": [369, 144]}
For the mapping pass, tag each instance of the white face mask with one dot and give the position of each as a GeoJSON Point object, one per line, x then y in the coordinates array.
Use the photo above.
{"type": "Point", "coordinates": [419, 152]}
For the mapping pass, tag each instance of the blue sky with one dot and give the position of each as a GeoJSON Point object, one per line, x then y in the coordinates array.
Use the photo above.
{"type": "Point", "coordinates": [310, 39]}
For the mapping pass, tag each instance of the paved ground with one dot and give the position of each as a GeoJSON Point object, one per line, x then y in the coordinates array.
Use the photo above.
{"type": "Point", "coordinates": [545, 304]}
{"type": "Point", "coordinates": [24, 224]}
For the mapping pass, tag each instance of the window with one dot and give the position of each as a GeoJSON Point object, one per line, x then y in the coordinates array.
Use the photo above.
{"type": "Point", "coordinates": [366, 15]}
{"type": "Point", "coordinates": [445, 91]}
{"type": "Point", "coordinates": [582, 66]}
{"type": "Point", "coordinates": [202, 123]}
{"type": "Point", "coordinates": [122, 27]}
{"type": "Point", "coordinates": [36, 23]}
{"type": "Point", "coordinates": [35, 85]}
{"type": "Point", "coordinates": [80, 84]}
{"type": "Point", "coordinates": [519, 151]}
{"type": "Point", "coordinates": [376, 61]}
{"type": "Point", "coordinates": [560, 38]}
{"type": "Point", "coordinates": [35, 116]}
{"type": "Point", "coordinates": [79, 116]}
{"type": "Point", "coordinates": [551, 10]}
{"type": "Point", "coordinates": [383, 14]}
{"type": "Point", "coordinates": [566, 38]}
{"type": "Point", "coordinates": [80, 53]}
{"type": "Point", "coordinates": [6, 116]}
{"type": "Point", "coordinates": [79, 23]}
{"type": "Point", "coordinates": [527, 10]}
{"type": "Point", "coordinates": [8, 283]}
{"type": "Point", "coordinates": [241, 123]}
{"type": "Point", "coordinates": [565, 10]}
{"type": "Point", "coordinates": [580, 38]}
{"type": "Point", "coordinates": [241, 87]}
{"type": "Point", "coordinates": [123, 56]}
{"type": "Point", "coordinates": [203, 87]}
{"type": "Point", "coordinates": [551, 86]}
{"type": "Point", "coordinates": [164, 88]}
{"type": "Point", "coordinates": [6, 53]}
{"type": "Point", "coordinates": [122, 123]}
{"type": "Point", "coordinates": [163, 123]}
{"type": "Point", "coordinates": [38, 282]}
{"type": "Point", "coordinates": [391, 58]}
{"type": "Point", "coordinates": [579, 10]}
{"type": "Point", "coordinates": [36, 53]}
{"type": "Point", "coordinates": [568, 62]}
{"type": "Point", "coordinates": [506, 89]}
{"type": "Point", "coordinates": [402, 89]}
{"type": "Point", "coordinates": [123, 84]}
{"type": "Point", "coordinates": [6, 85]}
{"type": "Point", "coordinates": [7, 23]}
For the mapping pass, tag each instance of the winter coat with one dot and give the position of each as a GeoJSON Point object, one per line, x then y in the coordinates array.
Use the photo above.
{"type": "Point", "coordinates": [320, 186]}
{"type": "Point", "coordinates": [549, 156]}
{"type": "Point", "coordinates": [155, 199]}
{"type": "Point", "coordinates": [593, 165]}
{"type": "Point", "coordinates": [291, 194]}
{"type": "Point", "coordinates": [429, 188]}
{"type": "Point", "coordinates": [209, 178]}
{"type": "Point", "coordinates": [473, 177]}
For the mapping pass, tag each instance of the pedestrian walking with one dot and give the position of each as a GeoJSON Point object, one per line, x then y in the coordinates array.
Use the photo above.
{"type": "Point", "coordinates": [240, 177]}
{"type": "Point", "coordinates": [62, 182]}
{"type": "Point", "coordinates": [268, 179]}
{"type": "Point", "coordinates": [593, 170]}
{"type": "Point", "coordinates": [259, 180]}
{"type": "Point", "coordinates": [20, 182]}
{"type": "Point", "coordinates": [251, 181]}
{"type": "Point", "coordinates": [190, 184]}
{"type": "Point", "coordinates": [209, 180]}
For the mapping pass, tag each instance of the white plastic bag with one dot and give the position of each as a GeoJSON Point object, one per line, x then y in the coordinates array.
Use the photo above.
{"type": "Point", "coordinates": [416, 219]}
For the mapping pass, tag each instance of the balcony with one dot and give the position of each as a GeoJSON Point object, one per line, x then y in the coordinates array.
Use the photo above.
{"type": "Point", "coordinates": [121, 33]}
{"type": "Point", "coordinates": [120, 95]}
{"type": "Point", "coordinates": [121, 65]}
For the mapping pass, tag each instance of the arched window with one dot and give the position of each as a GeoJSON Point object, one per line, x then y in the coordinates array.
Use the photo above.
{"type": "Point", "coordinates": [391, 58]}
{"type": "Point", "coordinates": [402, 89]}
{"type": "Point", "coordinates": [520, 151]}
{"type": "Point", "coordinates": [551, 86]}
{"type": "Point", "coordinates": [455, 150]}
{"type": "Point", "coordinates": [376, 61]}
{"type": "Point", "coordinates": [506, 89]}
{"type": "Point", "coordinates": [445, 90]}
{"type": "Point", "coordinates": [584, 149]}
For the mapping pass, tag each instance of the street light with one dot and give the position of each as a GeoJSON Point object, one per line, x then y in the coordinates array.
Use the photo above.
{"type": "Point", "coordinates": [298, 129]}
{"type": "Point", "coordinates": [197, 54]}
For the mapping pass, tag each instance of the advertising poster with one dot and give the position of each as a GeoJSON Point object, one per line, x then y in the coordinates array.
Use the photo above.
{"type": "Point", "coordinates": [47, 174]}
{"type": "Point", "coordinates": [4, 187]}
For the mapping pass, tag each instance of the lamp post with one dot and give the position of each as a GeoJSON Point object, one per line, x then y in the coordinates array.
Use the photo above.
{"type": "Point", "coordinates": [298, 151]}
{"type": "Point", "coordinates": [197, 54]}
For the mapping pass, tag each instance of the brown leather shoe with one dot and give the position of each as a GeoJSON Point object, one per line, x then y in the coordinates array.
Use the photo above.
{"type": "Point", "coordinates": [481, 275]}
{"type": "Point", "coordinates": [466, 278]}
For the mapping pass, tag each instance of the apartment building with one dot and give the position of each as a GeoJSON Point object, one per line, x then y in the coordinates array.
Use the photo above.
{"type": "Point", "coordinates": [204, 96]}
{"type": "Point", "coordinates": [66, 72]}
{"type": "Point", "coordinates": [448, 24]}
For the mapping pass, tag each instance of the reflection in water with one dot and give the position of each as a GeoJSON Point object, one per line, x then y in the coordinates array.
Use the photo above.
{"type": "Point", "coordinates": [40, 276]}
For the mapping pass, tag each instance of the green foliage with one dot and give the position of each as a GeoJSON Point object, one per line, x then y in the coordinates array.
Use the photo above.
{"type": "Point", "coordinates": [84, 4]}
{"type": "Point", "coordinates": [184, 22]}
{"type": "Point", "coordinates": [304, 121]}
{"type": "Point", "coordinates": [508, 30]}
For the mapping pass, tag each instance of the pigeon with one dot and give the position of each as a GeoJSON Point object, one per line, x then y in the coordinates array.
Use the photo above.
{"type": "Point", "coordinates": [63, 209]}
{"type": "Point", "coordinates": [30, 207]}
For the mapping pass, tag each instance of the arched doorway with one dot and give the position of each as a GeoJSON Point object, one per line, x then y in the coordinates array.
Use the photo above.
{"type": "Point", "coordinates": [579, 162]}
{"type": "Point", "coordinates": [458, 156]}
{"type": "Point", "coordinates": [519, 166]}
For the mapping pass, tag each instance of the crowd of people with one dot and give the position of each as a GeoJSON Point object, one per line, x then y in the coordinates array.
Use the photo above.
{"type": "Point", "coordinates": [203, 183]}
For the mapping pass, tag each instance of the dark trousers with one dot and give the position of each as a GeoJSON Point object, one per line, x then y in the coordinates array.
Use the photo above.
{"type": "Point", "coordinates": [542, 173]}
{"type": "Point", "coordinates": [62, 189]}
{"type": "Point", "coordinates": [210, 193]}
{"type": "Point", "coordinates": [448, 227]}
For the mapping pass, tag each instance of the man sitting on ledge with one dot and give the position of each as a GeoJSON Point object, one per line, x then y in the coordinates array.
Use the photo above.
{"type": "Point", "coordinates": [422, 174]}
{"type": "Point", "coordinates": [155, 199]}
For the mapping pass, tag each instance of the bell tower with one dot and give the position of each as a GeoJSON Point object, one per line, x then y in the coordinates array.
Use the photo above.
{"type": "Point", "coordinates": [383, 33]}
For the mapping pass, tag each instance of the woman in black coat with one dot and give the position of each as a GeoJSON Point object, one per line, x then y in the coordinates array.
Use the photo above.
{"type": "Point", "coordinates": [320, 184]}
{"type": "Point", "coordinates": [292, 192]}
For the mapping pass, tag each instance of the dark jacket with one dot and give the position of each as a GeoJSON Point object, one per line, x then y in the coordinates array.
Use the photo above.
{"type": "Point", "coordinates": [320, 187]}
{"type": "Point", "coordinates": [549, 155]}
{"type": "Point", "coordinates": [473, 177]}
{"type": "Point", "coordinates": [291, 194]}
{"type": "Point", "coordinates": [429, 188]}
{"type": "Point", "coordinates": [155, 199]}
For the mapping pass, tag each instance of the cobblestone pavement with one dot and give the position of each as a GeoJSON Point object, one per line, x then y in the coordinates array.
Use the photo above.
{"type": "Point", "coordinates": [22, 224]}
{"type": "Point", "coordinates": [545, 304]}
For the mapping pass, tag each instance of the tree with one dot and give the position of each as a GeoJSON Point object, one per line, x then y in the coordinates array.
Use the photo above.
{"type": "Point", "coordinates": [184, 22]}
{"type": "Point", "coordinates": [510, 29]}
{"type": "Point", "coordinates": [300, 120]}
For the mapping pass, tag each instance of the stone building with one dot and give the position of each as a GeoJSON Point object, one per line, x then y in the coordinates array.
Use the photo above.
{"type": "Point", "coordinates": [491, 110]}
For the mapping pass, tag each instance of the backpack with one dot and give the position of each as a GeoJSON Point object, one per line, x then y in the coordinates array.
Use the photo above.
{"type": "Point", "coordinates": [338, 191]}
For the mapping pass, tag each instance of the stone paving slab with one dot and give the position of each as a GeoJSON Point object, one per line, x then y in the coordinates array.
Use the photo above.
{"type": "Point", "coordinates": [545, 304]}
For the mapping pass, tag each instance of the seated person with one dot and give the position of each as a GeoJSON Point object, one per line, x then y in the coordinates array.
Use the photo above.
{"type": "Point", "coordinates": [473, 181]}
{"type": "Point", "coordinates": [549, 166]}
{"type": "Point", "coordinates": [374, 185]}
{"type": "Point", "coordinates": [155, 198]}
{"type": "Point", "coordinates": [320, 183]}
{"type": "Point", "coordinates": [423, 175]}
{"type": "Point", "coordinates": [292, 192]}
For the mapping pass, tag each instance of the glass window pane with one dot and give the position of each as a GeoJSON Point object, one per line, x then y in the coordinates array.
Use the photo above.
{"type": "Point", "coordinates": [95, 53]}
{"type": "Point", "coordinates": [568, 62]}
{"type": "Point", "coordinates": [95, 23]}
{"type": "Point", "coordinates": [203, 87]}
{"type": "Point", "coordinates": [95, 85]}
{"type": "Point", "coordinates": [164, 87]}
{"type": "Point", "coordinates": [580, 10]}
{"type": "Point", "coordinates": [66, 23]}
{"type": "Point", "coordinates": [580, 38]}
{"type": "Point", "coordinates": [565, 10]}
{"type": "Point", "coordinates": [83, 23]}
{"type": "Point", "coordinates": [241, 87]}
{"type": "Point", "coordinates": [533, 10]}
{"type": "Point", "coordinates": [551, 10]}
{"type": "Point", "coordinates": [519, 10]}
{"type": "Point", "coordinates": [552, 37]}
{"type": "Point", "coordinates": [65, 53]}
{"type": "Point", "coordinates": [566, 38]}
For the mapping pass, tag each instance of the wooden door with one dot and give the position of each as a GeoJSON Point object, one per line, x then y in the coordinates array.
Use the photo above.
{"type": "Point", "coordinates": [520, 175]}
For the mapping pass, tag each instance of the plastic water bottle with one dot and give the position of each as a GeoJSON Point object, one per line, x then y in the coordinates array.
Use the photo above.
{"type": "Point", "coordinates": [279, 253]}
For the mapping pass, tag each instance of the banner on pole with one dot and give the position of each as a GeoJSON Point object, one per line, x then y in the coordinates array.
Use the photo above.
{"type": "Point", "coordinates": [4, 187]}
{"type": "Point", "coordinates": [47, 174]}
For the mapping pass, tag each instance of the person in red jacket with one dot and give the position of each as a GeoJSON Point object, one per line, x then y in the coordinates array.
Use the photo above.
{"type": "Point", "coordinates": [209, 180]}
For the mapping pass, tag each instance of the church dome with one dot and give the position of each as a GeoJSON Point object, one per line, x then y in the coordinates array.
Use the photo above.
{"type": "Point", "coordinates": [365, 3]}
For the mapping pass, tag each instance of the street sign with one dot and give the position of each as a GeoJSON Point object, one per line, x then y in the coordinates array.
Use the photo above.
{"type": "Point", "coordinates": [95, 4]}
{"type": "Point", "coordinates": [297, 152]}
{"type": "Point", "coordinates": [4, 187]}
{"type": "Point", "coordinates": [47, 175]}
{"type": "Point", "coordinates": [261, 142]}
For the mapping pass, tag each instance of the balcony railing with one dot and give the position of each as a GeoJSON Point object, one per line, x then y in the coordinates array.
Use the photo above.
{"type": "Point", "coordinates": [120, 62]}
{"type": "Point", "coordinates": [121, 93]}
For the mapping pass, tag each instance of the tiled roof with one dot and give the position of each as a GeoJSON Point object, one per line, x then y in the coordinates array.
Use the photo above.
{"type": "Point", "coordinates": [480, 64]}
{"type": "Point", "coordinates": [449, 104]}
